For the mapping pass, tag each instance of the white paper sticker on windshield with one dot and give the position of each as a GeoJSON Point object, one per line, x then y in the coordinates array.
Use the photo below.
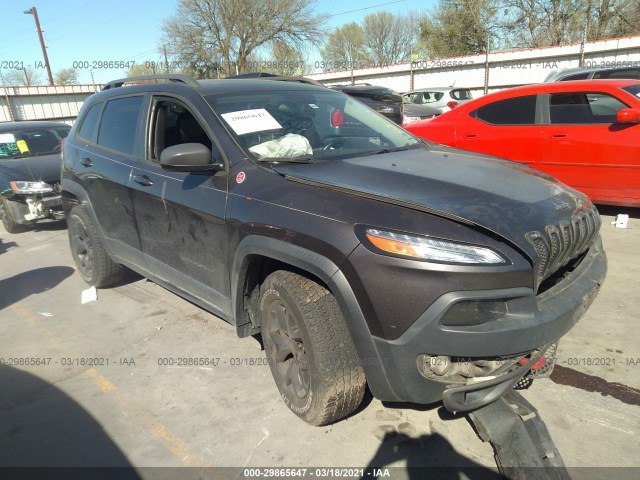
{"type": "Point", "coordinates": [7, 138]}
{"type": "Point", "coordinates": [249, 121]}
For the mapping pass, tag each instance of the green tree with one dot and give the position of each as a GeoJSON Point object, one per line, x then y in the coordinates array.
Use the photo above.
{"type": "Point", "coordinates": [462, 27]}
{"type": "Point", "coordinates": [220, 35]}
{"type": "Point", "coordinates": [345, 49]}
{"type": "Point", "coordinates": [66, 76]}
{"type": "Point", "coordinates": [287, 60]}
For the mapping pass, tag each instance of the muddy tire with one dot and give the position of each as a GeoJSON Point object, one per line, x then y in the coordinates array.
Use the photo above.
{"type": "Point", "coordinates": [92, 260]}
{"type": "Point", "coordinates": [8, 220]}
{"type": "Point", "coordinates": [309, 350]}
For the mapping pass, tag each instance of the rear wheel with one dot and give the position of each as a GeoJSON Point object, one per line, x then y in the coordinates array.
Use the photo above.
{"type": "Point", "coordinates": [310, 352]}
{"type": "Point", "coordinates": [93, 262]}
{"type": "Point", "coordinates": [8, 220]}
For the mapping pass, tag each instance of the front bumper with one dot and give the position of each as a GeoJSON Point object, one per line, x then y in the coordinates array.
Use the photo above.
{"type": "Point", "coordinates": [531, 323]}
{"type": "Point", "coordinates": [27, 209]}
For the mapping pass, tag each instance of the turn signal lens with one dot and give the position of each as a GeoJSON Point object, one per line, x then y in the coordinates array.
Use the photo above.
{"type": "Point", "coordinates": [433, 249]}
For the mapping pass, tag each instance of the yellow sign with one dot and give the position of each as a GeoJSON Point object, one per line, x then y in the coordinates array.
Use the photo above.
{"type": "Point", "coordinates": [22, 146]}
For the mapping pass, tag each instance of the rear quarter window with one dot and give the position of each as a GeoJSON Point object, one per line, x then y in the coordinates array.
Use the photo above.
{"type": "Point", "coordinates": [119, 123]}
{"type": "Point", "coordinates": [463, 94]}
{"type": "Point", "coordinates": [510, 111]}
{"type": "Point", "coordinates": [90, 122]}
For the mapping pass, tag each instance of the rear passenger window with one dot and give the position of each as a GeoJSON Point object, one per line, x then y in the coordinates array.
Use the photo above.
{"type": "Point", "coordinates": [119, 124]}
{"type": "Point", "coordinates": [512, 111]}
{"type": "Point", "coordinates": [88, 127]}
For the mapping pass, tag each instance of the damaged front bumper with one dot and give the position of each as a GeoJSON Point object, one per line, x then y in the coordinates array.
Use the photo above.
{"type": "Point", "coordinates": [27, 209]}
{"type": "Point", "coordinates": [470, 366]}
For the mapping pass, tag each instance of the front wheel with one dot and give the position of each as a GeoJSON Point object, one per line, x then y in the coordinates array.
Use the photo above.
{"type": "Point", "coordinates": [309, 350]}
{"type": "Point", "coordinates": [8, 220]}
{"type": "Point", "coordinates": [93, 262]}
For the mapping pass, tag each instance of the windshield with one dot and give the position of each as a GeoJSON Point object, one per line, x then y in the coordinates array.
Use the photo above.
{"type": "Point", "coordinates": [307, 124]}
{"type": "Point", "coordinates": [633, 90]}
{"type": "Point", "coordinates": [23, 142]}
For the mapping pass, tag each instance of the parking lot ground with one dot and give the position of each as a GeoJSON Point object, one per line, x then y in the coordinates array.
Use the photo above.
{"type": "Point", "coordinates": [103, 383]}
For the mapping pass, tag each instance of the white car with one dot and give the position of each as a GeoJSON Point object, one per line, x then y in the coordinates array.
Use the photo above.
{"type": "Point", "coordinates": [442, 98]}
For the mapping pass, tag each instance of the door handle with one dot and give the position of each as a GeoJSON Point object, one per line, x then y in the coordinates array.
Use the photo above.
{"type": "Point", "coordinates": [470, 135]}
{"type": "Point", "coordinates": [559, 135]}
{"type": "Point", "coordinates": [143, 180]}
{"type": "Point", "coordinates": [87, 162]}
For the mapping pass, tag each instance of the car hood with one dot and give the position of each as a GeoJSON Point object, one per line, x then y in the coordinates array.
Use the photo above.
{"type": "Point", "coordinates": [45, 168]}
{"type": "Point", "coordinates": [506, 198]}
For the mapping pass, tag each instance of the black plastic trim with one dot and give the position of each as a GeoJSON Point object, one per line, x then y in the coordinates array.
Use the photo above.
{"type": "Point", "coordinates": [375, 367]}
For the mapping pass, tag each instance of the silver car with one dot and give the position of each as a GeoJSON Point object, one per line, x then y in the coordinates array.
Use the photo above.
{"type": "Point", "coordinates": [442, 98]}
{"type": "Point", "coordinates": [631, 70]}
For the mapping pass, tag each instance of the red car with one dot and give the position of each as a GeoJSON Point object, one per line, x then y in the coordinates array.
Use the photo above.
{"type": "Point", "coordinates": [585, 133]}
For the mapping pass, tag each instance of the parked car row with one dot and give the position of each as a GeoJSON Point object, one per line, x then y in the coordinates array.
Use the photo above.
{"type": "Point", "coordinates": [390, 103]}
{"type": "Point", "coordinates": [443, 99]}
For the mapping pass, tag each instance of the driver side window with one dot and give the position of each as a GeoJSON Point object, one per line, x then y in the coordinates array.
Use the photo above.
{"type": "Point", "coordinates": [173, 124]}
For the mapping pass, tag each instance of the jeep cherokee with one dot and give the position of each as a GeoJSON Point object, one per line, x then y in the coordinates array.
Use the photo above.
{"type": "Point", "coordinates": [360, 253]}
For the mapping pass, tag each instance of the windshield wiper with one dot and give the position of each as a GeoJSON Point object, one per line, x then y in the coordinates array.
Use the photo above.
{"type": "Point", "coordinates": [388, 150]}
{"type": "Point", "coordinates": [284, 160]}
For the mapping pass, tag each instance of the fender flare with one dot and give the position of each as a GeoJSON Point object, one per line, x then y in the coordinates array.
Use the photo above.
{"type": "Point", "coordinates": [372, 363]}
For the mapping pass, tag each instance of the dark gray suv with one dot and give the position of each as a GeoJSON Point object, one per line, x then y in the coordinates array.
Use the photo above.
{"type": "Point", "coordinates": [361, 254]}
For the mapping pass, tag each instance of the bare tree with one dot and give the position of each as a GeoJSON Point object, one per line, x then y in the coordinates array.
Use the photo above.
{"type": "Point", "coordinates": [27, 76]}
{"type": "Point", "coordinates": [344, 49]}
{"type": "Point", "coordinates": [388, 38]}
{"type": "Point", "coordinates": [213, 35]}
{"type": "Point", "coordinates": [612, 18]}
{"type": "Point", "coordinates": [538, 23]}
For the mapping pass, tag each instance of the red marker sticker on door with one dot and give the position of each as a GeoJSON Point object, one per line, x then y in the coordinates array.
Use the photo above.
{"type": "Point", "coordinates": [240, 177]}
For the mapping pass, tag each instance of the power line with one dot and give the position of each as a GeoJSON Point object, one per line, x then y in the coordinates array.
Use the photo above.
{"type": "Point", "coordinates": [366, 8]}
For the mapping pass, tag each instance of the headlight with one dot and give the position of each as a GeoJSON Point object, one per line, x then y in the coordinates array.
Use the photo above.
{"type": "Point", "coordinates": [30, 187]}
{"type": "Point", "coordinates": [432, 249]}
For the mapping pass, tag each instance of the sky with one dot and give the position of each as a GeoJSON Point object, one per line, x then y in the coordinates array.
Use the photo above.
{"type": "Point", "coordinates": [85, 33]}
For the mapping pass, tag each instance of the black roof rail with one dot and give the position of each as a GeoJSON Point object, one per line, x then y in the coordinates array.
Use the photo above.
{"type": "Point", "coordinates": [271, 76]}
{"type": "Point", "coordinates": [173, 77]}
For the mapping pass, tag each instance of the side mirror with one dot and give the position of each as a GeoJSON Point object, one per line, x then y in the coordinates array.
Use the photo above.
{"type": "Point", "coordinates": [628, 116]}
{"type": "Point", "coordinates": [188, 157]}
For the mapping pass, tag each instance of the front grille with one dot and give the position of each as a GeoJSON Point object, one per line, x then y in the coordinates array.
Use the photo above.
{"type": "Point", "coordinates": [561, 243]}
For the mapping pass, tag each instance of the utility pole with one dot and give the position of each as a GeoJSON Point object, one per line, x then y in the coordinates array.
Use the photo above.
{"type": "Point", "coordinates": [486, 63]}
{"type": "Point", "coordinates": [34, 12]}
{"type": "Point", "coordinates": [166, 59]}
